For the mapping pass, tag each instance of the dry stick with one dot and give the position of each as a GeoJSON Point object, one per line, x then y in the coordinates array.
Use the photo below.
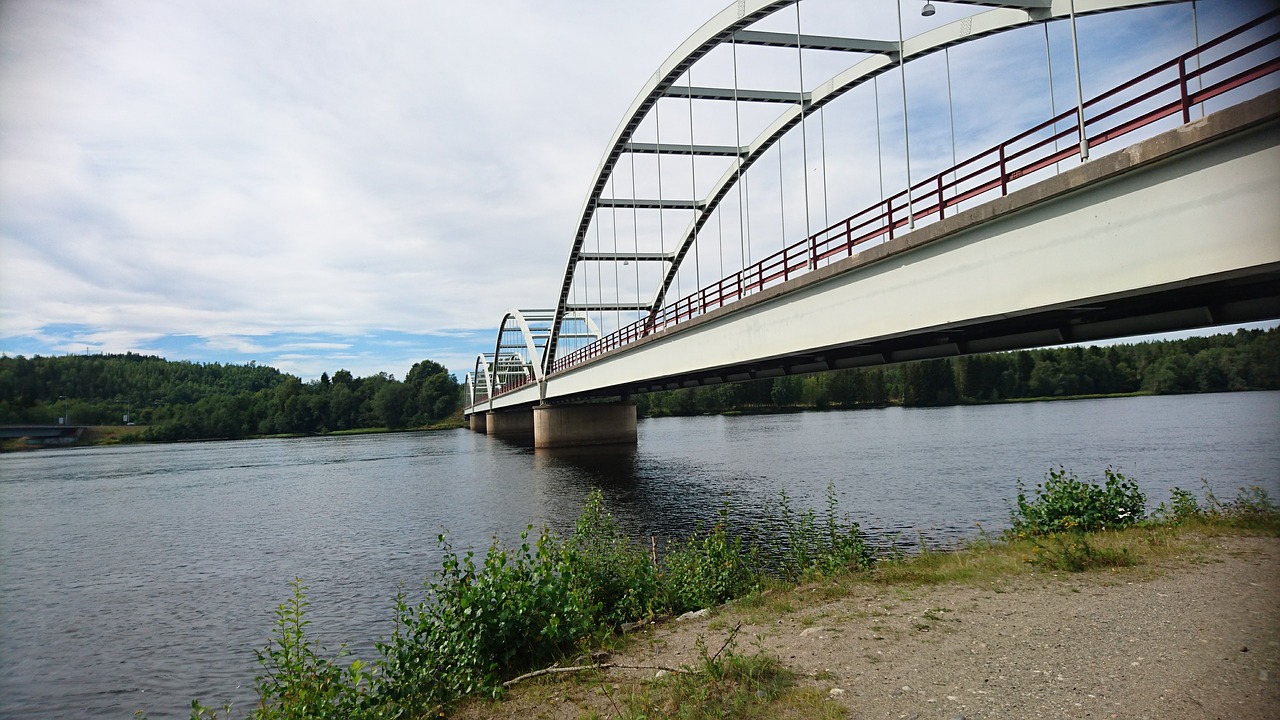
{"type": "Point", "coordinates": [579, 668]}
{"type": "Point", "coordinates": [727, 640]}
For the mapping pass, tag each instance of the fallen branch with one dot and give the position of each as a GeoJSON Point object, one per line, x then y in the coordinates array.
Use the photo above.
{"type": "Point", "coordinates": [580, 668]}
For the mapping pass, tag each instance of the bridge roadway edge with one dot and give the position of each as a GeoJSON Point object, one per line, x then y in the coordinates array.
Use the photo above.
{"type": "Point", "coordinates": [1183, 302]}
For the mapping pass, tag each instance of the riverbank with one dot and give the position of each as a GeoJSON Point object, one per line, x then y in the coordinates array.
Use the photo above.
{"type": "Point", "coordinates": [1191, 630]}
{"type": "Point", "coordinates": [103, 435]}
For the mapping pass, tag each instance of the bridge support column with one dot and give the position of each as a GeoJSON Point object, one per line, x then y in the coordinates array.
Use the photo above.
{"type": "Point", "coordinates": [588, 424]}
{"type": "Point", "coordinates": [513, 425]}
{"type": "Point", "coordinates": [477, 421]}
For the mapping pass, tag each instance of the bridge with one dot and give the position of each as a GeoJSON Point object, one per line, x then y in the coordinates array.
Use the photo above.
{"type": "Point", "coordinates": [1148, 206]}
{"type": "Point", "coordinates": [43, 434]}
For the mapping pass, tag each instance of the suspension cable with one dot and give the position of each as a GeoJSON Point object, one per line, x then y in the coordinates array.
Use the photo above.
{"type": "Point", "coordinates": [744, 212]}
{"type": "Point", "coordinates": [804, 134]}
{"type": "Point", "coordinates": [693, 181]}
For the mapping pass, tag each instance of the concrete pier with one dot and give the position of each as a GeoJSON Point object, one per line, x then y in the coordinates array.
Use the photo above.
{"type": "Point", "coordinates": [515, 424]}
{"type": "Point", "coordinates": [477, 421]}
{"type": "Point", "coordinates": [587, 424]}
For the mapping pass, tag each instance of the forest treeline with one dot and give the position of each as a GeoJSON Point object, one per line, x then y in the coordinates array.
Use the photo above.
{"type": "Point", "coordinates": [180, 400]}
{"type": "Point", "coordinates": [1245, 360]}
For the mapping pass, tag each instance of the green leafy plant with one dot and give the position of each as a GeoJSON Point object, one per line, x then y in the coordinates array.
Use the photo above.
{"type": "Point", "coordinates": [707, 569]}
{"type": "Point", "coordinates": [300, 678]}
{"type": "Point", "coordinates": [607, 568]}
{"type": "Point", "coordinates": [1065, 504]}
{"type": "Point", "coordinates": [517, 609]}
{"type": "Point", "coordinates": [816, 549]}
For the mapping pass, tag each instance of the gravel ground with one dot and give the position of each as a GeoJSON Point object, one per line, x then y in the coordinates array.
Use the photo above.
{"type": "Point", "coordinates": [1195, 638]}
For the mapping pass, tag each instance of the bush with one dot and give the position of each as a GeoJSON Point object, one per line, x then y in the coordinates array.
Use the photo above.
{"type": "Point", "coordinates": [1251, 508]}
{"type": "Point", "coordinates": [812, 550]}
{"type": "Point", "coordinates": [518, 609]}
{"type": "Point", "coordinates": [609, 570]}
{"type": "Point", "coordinates": [1064, 503]}
{"type": "Point", "coordinates": [706, 570]}
{"type": "Point", "coordinates": [300, 679]}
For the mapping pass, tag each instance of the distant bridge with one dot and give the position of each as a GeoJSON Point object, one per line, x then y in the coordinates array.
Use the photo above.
{"type": "Point", "coordinates": [43, 434]}
{"type": "Point", "coordinates": [1021, 245]}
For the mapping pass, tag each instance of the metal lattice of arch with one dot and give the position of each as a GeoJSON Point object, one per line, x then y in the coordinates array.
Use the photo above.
{"type": "Point", "coordinates": [734, 27]}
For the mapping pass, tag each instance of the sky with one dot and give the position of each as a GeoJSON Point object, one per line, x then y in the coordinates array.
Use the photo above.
{"type": "Point", "coordinates": [312, 185]}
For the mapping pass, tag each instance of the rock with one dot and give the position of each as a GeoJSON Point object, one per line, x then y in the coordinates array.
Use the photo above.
{"type": "Point", "coordinates": [836, 693]}
{"type": "Point", "coordinates": [660, 674]}
{"type": "Point", "coordinates": [694, 615]}
{"type": "Point", "coordinates": [807, 632]}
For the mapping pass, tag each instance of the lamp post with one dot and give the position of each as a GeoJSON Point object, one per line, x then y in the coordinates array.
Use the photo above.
{"type": "Point", "coordinates": [64, 420]}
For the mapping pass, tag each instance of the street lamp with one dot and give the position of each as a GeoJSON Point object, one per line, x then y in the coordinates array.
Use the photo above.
{"type": "Point", "coordinates": [63, 420]}
{"type": "Point", "coordinates": [928, 10]}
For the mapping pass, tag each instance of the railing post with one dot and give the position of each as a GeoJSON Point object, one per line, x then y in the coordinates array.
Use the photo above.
{"type": "Point", "coordinates": [1004, 181]}
{"type": "Point", "coordinates": [1182, 87]}
{"type": "Point", "coordinates": [889, 215]}
{"type": "Point", "coordinates": [941, 207]}
{"type": "Point", "coordinates": [848, 235]}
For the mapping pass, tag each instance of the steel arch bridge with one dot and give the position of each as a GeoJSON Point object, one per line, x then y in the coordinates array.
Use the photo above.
{"type": "Point", "coordinates": [534, 345]}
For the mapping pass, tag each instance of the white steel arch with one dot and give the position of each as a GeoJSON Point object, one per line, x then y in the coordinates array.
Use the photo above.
{"type": "Point", "coordinates": [732, 25]}
{"type": "Point", "coordinates": [483, 371]}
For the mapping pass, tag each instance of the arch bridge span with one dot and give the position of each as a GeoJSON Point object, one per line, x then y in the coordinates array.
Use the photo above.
{"type": "Point", "coordinates": [1021, 245]}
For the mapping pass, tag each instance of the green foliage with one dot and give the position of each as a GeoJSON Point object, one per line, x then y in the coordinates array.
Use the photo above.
{"type": "Point", "coordinates": [187, 401]}
{"type": "Point", "coordinates": [300, 679]}
{"type": "Point", "coordinates": [1251, 508]}
{"type": "Point", "coordinates": [813, 549]}
{"type": "Point", "coordinates": [1065, 504]}
{"type": "Point", "coordinates": [707, 569]}
{"type": "Point", "coordinates": [518, 608]}
{"type": "Point", "coordinates": [608, 569]}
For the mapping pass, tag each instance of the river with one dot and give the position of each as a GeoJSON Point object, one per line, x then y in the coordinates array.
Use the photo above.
{"type": "Point", "coordinates": [139, 577]}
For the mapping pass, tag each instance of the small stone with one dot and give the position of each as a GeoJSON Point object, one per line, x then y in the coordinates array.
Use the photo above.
{"type": "Point", "coordinates": [836, 692]}
{"type": "Point", "coordinates": [694, 615]}
{"type": "Point", "coordinates": [660, 674]}
{"type": "Point", "coordinates": [1244, 649]}
{"type": "Point", "coordinates": [906, 688]}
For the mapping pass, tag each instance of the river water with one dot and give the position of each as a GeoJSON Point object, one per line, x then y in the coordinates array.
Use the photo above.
{"type": "Point", "coordinates": [137, 578]}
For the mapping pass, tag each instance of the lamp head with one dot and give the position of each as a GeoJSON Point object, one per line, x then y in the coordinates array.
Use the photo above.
{"type": "Point", "coordinates": [928, 9]}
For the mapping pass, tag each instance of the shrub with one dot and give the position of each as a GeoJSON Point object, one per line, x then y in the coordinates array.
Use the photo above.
{"type": "Point", "coordinates": [609, 570]}
{"type": "Point", "coordinates": [706, 570]}
{"type": "Point", "coordinates": [815, 550]}
{"type": "Point", "coordinates": [517, 609]}
{"type": "Point", "coordinates": [1064, 503]}
{"type": "Point", "coordinates": [300, 679]}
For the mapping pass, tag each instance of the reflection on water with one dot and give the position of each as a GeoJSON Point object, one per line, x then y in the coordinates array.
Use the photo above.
{"type": "Point", "coordinates": [136, 578]}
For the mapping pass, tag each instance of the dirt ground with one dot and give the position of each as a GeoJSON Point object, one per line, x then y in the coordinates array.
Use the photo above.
{"type": "Point", "coordinates": [1192, 638]}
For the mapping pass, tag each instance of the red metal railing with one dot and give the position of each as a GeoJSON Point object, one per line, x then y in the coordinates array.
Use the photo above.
{"type": "Point", "coordinates": [1161, 92]}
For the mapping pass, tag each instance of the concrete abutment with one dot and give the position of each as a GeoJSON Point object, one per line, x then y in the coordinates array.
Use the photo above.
{"type": "Point", "coordinates": [477, 422]}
